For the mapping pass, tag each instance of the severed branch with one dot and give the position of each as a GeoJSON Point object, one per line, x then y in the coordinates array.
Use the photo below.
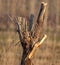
{"type": "Point", "coordinates": [17, 24]}
{"type": "Point", "coordinates": [36, 47]}
{"type": "Point", "coordinates": [40, 20]}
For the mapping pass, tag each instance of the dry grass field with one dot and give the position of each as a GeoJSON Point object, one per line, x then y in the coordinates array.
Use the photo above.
{"type": "Point", "coordinates": [49, 52]}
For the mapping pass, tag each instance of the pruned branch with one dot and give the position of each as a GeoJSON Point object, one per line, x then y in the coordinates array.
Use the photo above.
{"type": "Point", "coordinates": [18, 26]}
{"type": "Point", "coordinates": [40, 20]}
{"type": "Point", "coordinates": [36, 46]}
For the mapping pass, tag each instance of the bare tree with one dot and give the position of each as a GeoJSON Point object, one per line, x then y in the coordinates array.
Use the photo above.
{"type": "Point", "coordinates": [30, 39]}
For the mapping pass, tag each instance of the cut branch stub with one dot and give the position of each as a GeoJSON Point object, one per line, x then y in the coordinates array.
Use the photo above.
{"type": "Point", "coordinates": [36, 46]}
{"type": "Point", "coordinates": [40, 20]}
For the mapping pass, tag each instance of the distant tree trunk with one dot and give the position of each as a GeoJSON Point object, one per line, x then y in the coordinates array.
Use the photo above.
{"type": "Point", "coordinates": [28, 42]}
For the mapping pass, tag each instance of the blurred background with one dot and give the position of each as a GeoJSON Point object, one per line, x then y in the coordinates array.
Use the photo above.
{"type": "Point", "coordinates": [49, 52]}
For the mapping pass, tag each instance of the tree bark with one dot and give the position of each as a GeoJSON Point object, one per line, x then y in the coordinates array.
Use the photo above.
{"type": "Point", "coordinates": [28, 42]}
